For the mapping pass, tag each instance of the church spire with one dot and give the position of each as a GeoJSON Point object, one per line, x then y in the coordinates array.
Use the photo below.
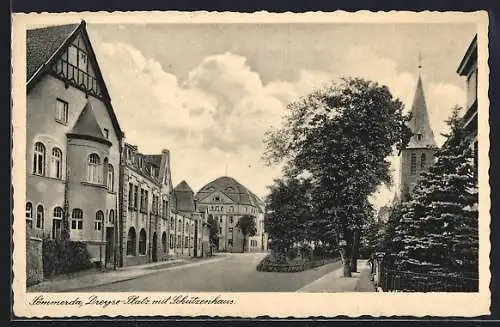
{"type": "Point", "coordinates": [423, 137]}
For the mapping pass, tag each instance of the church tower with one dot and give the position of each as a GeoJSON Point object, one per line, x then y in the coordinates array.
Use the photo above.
{"type": "Point", "coordinates": [419, 153]}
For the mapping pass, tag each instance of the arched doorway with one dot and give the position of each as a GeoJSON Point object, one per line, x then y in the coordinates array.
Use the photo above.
{"type": "Point", "coordinates": [155, 248]}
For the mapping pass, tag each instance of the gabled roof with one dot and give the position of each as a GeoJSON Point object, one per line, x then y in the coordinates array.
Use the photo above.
{"type": "Point", "coordinates": [183, 187]}
{"type": "Point", "coordinates": [469, 58]}
{"type": "Point", "coordinates": [87, 126]}
{"type": "Point", "coordinates": [154, 159]}
{"type": "Point", "coordinates": [233, 189]}
{"type": "Point", "coordinates": [45, 45]}
{"type": "Point", "coordinates": [419, 123]}
{"type": "Point", "coordinates": [184, 197]}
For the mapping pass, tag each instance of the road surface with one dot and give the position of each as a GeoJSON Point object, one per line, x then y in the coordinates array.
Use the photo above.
{"type": "Point", "coordinates": [232, 273]}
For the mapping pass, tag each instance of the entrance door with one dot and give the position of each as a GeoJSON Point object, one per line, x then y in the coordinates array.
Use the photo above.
{"type": "Point", "coordinates": [155, 248]}
{"type": "Point", "coordinates": [109, 244]}
{"type": "Point", "coordinates": [195, 252]}
{"type": "Point", "coordinates": [56, 228]}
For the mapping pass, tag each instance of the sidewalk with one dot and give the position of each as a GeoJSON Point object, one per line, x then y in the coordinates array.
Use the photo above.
{"type": "Point", "coordinates": [335, 282]}
{"type": "Point", "coordinates": [95, 277]}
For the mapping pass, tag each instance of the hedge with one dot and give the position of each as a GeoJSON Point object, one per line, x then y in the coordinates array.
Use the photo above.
{"type": "Point", "coordinates": [64, 256]}
{"type": "Point", "coordinates": [269, 265]}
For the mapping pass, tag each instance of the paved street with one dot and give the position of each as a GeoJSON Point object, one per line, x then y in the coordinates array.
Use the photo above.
{"type": "Point", "coordinates": [233, 273]}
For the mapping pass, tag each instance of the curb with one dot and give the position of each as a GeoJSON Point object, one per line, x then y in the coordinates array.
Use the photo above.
{"type": "Point", "coordinates": [147, 273]}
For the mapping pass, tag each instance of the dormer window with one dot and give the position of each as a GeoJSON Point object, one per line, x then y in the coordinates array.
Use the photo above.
{"type": "Point", "coordinates": [106, 133]}
{"type": "Point", "coordinates": [419, 137]}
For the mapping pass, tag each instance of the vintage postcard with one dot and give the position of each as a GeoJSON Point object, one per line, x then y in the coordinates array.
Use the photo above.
{"type": "Point", "coordinates": [246, 165]}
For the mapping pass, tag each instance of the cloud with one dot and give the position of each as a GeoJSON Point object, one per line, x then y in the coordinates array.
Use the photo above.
{"type": "Point", "coordinates": [214, 121]}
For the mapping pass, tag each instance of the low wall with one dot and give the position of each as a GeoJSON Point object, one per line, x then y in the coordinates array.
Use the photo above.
{"type": "Point", "coordinates": [34, 261]}
{"type": "Point", "coordinates": [265, 265]}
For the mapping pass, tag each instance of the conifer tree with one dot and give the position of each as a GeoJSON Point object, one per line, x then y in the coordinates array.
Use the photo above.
{"type": "Point", "coordinates": [439, 227]}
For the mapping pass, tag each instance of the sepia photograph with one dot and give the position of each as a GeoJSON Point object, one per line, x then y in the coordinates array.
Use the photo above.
{"type": "Point", "coordinates": [187, 156]}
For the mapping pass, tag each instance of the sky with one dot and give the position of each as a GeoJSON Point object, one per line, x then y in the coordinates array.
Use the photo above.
{"type": "Point", "coordinates": [208, 92]}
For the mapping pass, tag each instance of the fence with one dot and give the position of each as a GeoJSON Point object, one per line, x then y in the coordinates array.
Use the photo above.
{"type": "Point", "coordinates": [391, 280]}
{"type": "Point", "coordinates": [406, 281]}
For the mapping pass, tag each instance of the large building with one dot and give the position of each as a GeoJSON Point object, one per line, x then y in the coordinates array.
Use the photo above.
{"type": "Point", "coordinates": [145, 208]}
{"type": "Point", "coordinates": [227, 201]}
{"type": "Point", "coordinates": [419, 153]}
{"type": "Point", "coordinates": [73, 141]}
{"type": "Point", "coordinates": [468, 69]}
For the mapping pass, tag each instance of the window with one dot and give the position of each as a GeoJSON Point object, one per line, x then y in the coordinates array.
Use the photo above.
{"type": "Point", "coordinates": [111, 178]}
{"type": "Point", "coordinates": [153, 204]}
{"type": "Point", "coordinates": [29, 214]}
{"type": "Point", "coordinates": [73, 55]}
{"type": "Point", "coordinates": [142, 242]}
{"type": "Point", "coordinates": [106, 133]}
{"type": "Point", "coordinates": [82, 60]}
{"type": "Point", "coordinates": [179, 241]}
{"type": "Point", "coordinates": [61, 111]}
{"type": "Point", "coordinates": [221, 208]}
{"type": "Point", "coordinates": [179, 225]}
{"type": "Point", "coordinates": [186, 241]}
{"type": "Point", "coordinates": [187, 228]}
{"type": "Point", "coordinates": [419, 137]}
{"type": "Point", "coordinates": [136, 196]}
{"type": "Point", "coordinates": [56, 163]}
{"type": "Point", "coordinates": [230, 242]}
{"type": "Point", "coordinates": [413, 164]}
{"type": "Point", "coordinates": [99, 218]}
{"type": "Point", "coordinates": [144, 200]}
{"type": "Point", "coordinates": [57, 222]}
{"type": "Point", "coordinates": [165, 208]}
{"type": "Point", "coordinates": [111, 216]}
{"type": "Point", "coordinates": [131, 241]}
{"type": "Point", "coordinates": [94, 171]}
{"type": "Point", "coordinates": [39, 217]}
{"type": "Point", "coordinates": [217, 198]}
{"type": "Point", "coordinates": [231, 219]}
{"type": "Point", "coordinates": [77, 219]}
{"type": "Point", "coordinates": [130, 195]}
{"type": "Point", "coordinates": [231, 209]}
{"type": "Point", "coordinates": [230, 230]}
{"type": "Point", "coordinates": [423, 161]}
{"type": "Point", "coordinates": [171, 241]}
{"type": "Point", "coordinates": [164, 241]}
{"type": "Point", "coordinates": [172, 223]}
{"type": "Point", "coordinates": [39, 159]}
{"type": "Point", "coordinates": [220, 230]}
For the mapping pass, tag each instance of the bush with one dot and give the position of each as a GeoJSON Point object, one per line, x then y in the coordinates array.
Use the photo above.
{"type": "Point", "coordinates": [270, 264]}
{"type": "Point", "coordinates": [64, 256]}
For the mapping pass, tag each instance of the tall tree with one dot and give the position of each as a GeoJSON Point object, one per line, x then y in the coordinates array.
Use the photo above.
{"type": "Point", "coordinates": [439, 233]}
{"type": "Point", "coordinates": [247, 226]}
{"type": "Point", "coordinates": [342, 135]}
{"type": "Point", "coordinates": [213, 230]}
{"type": "Point", "coordinates": [288, 213]}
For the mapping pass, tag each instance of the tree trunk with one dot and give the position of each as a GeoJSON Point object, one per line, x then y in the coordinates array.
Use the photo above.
{"type": "Point", "coordinates": [355, 250]}
{"type": "Point", "coordinates": [346, 262]}
{"type": "Point", "coordinates": [347, 250]}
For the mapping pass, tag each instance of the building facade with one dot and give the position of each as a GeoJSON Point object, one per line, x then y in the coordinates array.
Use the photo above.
{"type": "Point", "coordinates": [73, 141]}
{"type": "Point", "coordinates": [468, 69]}
{"type": "Point", "coordinates": [227, 201]}
{"type": "Point", "coordinates": [419, 153]}
{"type": "Point", "coordinates": [188, 225]}
{"type": "Point", "coordinates": [145, 207]}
